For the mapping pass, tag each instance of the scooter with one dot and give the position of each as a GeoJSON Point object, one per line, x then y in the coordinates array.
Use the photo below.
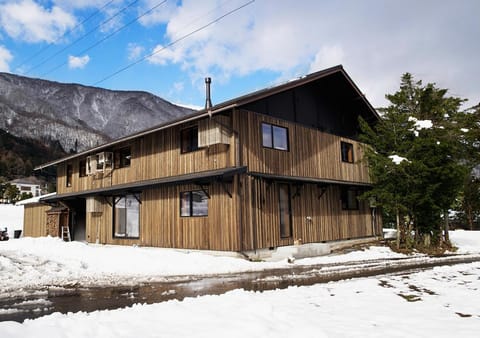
{"type": "Point", "coordinates": [4, 235]}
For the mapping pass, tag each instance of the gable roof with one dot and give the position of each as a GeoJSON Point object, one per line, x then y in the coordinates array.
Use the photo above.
{"type": "Point", "coordinates": [236, 102]}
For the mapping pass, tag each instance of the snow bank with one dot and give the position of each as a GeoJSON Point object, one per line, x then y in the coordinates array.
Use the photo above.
{"type": "Point", "coordinates": [465, 241]}
{"type": "Point", "coordinates": [11, 217]}
{"type": "Point", "coordinates": [431, 303]}
{"type": "Point", "coordinates": [32, 263]}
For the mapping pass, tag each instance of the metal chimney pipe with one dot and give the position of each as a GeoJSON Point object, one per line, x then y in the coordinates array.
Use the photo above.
{"type": "Point", "coordinates": [208, 101]}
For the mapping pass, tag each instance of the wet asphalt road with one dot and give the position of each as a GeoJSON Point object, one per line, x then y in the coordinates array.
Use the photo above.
{"type": "Point", "coordinates": [76, 299]}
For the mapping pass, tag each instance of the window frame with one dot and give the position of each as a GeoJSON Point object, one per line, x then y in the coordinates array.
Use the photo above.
{"type": "Point", "coordinates": [191, 135]}
{"type": "Point", "coordinates": [346, 199]}
{"type": "Point", "coordinates": [347, 151]}
{"type": "Point", "coordinates": [272, 144]}
{"type": "Point", "coordinates": [122, 158]}
{"type": "Point", "coordinates": [68, 175]}
{"type": "Point", "coordinates": [134, 197]}
{"type": "Point", "coordinates": [283, 227]}
{"type": "Point", "coordinates": [190, 201]}
{"type": "Point", "coordinates": [82, 167]}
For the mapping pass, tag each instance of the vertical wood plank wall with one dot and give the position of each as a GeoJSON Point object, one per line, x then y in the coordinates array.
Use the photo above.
{"type": "Point", "coordinates": [162, 226]}
{"type": "Point", "coordinates": [312, 153]}
{"type": "Point", "coordinates": [35, 220]}
{"type": "Point", "coordinates": [250, 218]}
{"type": "Point", "coordinates": [152, 156]}
{"type": "Point", "coordinates": [326, 220]}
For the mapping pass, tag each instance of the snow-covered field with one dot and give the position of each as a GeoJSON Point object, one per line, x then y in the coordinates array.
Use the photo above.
{"type": "Point", "coordinates": [30, 264]}
{"type": "Point", "coordinates": [441, 302]}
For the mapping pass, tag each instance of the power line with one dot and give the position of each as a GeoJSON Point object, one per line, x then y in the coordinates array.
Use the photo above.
{"type": "Point", "coordinates": [174, 42]}
{"type": "Point", "coordinates": [31, 57]}
{"type": "Point", "coordinates": [108, 36]}
{"type": "Point", "coordinates": [83, 36]}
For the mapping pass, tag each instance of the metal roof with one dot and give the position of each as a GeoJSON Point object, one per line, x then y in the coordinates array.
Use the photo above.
{"type": "Point", "coordinates": [236, 102]}
{"type": "Point", "coordinates": [200, 177]}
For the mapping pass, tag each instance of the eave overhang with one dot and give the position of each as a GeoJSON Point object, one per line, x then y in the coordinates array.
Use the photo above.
{"type": "Point", "coordinates": [309, 180]}
{"type": "Point", "coordinates": [203, 177]}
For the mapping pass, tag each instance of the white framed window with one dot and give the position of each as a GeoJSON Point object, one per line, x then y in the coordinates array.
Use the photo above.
{"type": "Point", "coordinates": [126, 216]}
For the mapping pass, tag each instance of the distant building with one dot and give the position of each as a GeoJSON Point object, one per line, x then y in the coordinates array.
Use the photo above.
{"type": "Point", "coordinates": [27, 185]}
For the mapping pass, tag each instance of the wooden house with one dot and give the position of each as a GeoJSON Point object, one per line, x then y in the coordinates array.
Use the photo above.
{"type": "Point", "coordinates": [272, 168]}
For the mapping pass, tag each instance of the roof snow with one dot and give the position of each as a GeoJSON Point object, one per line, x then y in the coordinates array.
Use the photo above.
{"type": "Point", "coordinates": [34, 199]}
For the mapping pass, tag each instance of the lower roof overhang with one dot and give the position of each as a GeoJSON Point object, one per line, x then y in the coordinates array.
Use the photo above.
{"type": "Point", "coordinates": [203, 177]}
{"type": "Point", "coordinates": [310, 180]}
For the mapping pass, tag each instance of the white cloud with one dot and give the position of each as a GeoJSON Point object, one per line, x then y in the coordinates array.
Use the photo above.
{"type": "Point", "coordinates": [78, 61]}
{"type": "Point", "coordinates": [163, 55]}
{"type": "Point", "coordinates": [80, 4]}
{"type": "Point", "coordinates": [28, 21]}
{"type": "Point", "coordinates": [327, 56]}
{"type": "Point", "coordinates": [159, 15]}
{"type": "Point", "coordinates": [134, 51]}
{"type": "Point", "coordinates": [5, 58]}
{"type": "Point", "coordinates": [376, 42]}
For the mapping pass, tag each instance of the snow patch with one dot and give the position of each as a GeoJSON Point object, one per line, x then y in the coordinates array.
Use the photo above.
{"type": "Point", "coordinates": [420, 124]}
{"type": "Point", "coordinates": [397, 159]}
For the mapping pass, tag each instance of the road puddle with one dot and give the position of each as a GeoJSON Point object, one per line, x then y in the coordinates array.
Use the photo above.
{"type": "Point", "coordinates": [90, 299]}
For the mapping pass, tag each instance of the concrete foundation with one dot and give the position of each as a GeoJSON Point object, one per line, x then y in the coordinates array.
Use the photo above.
{"type": "Point", "coordinates": [293, 252]}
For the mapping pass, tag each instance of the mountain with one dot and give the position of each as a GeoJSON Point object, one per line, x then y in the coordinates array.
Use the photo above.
{"type": "Point", "coordinates": [18, 156]}
{"type": "Point", "coordinates": [69, 113]}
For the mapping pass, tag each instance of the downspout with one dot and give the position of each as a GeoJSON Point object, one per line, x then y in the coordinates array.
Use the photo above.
{"type": "Point", "coordinates": [239, 211]}
{"type": "Point", "coordinates": [254, 215]}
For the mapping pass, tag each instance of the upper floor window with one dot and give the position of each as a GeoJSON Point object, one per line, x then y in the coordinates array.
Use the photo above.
{"type": "Point", "coordinates": [82, 168]}
{"type": "Point", "coordinates": [124, 157]}
{"type": "Point", "coordinates": [69, 175]}
{"type": "Point", "coordinates": [274, 137]}
{"type": "Point", "coordinates": [189, 139]}
{"type": "Point", "coordinates": [347, 152]}
{"type": "Point", "coordinates": [193, 203]}
{"type": "Point", "coordinates": [349, 197]}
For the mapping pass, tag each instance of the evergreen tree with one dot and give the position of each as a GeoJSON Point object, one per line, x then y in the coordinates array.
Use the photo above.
{"type": "Point", "coordinates": [11, 193]}
{"type": "Point", "coordinates": [468, 123]}
{"type": "Point", "coordinates": [415, 159]}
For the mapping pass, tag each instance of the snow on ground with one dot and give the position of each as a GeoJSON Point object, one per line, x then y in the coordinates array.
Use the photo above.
{"type": "Point", "coordinates": [441, 302]}
{"type": "Point", "coordinates": [11, 217]}
{"type": "Point", "coordinates": [31, 264]}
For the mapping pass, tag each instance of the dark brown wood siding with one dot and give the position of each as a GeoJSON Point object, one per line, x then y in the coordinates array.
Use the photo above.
{"type": "Point", "coordinates": [316, 216]}
{"type": "Point", "coordinates": [311, 153]}
{"type": "Point", "coordinates": [162, 226]}
{"type": "Point", "coordinates": [152, 156]}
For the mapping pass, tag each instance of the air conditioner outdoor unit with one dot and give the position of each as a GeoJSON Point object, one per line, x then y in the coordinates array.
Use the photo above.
{"type": "Point", "coordinates": [104, 161]}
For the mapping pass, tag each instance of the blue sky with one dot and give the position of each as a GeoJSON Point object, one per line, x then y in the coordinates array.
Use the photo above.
{"type": "Point", "coordinates": [264, 43]}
